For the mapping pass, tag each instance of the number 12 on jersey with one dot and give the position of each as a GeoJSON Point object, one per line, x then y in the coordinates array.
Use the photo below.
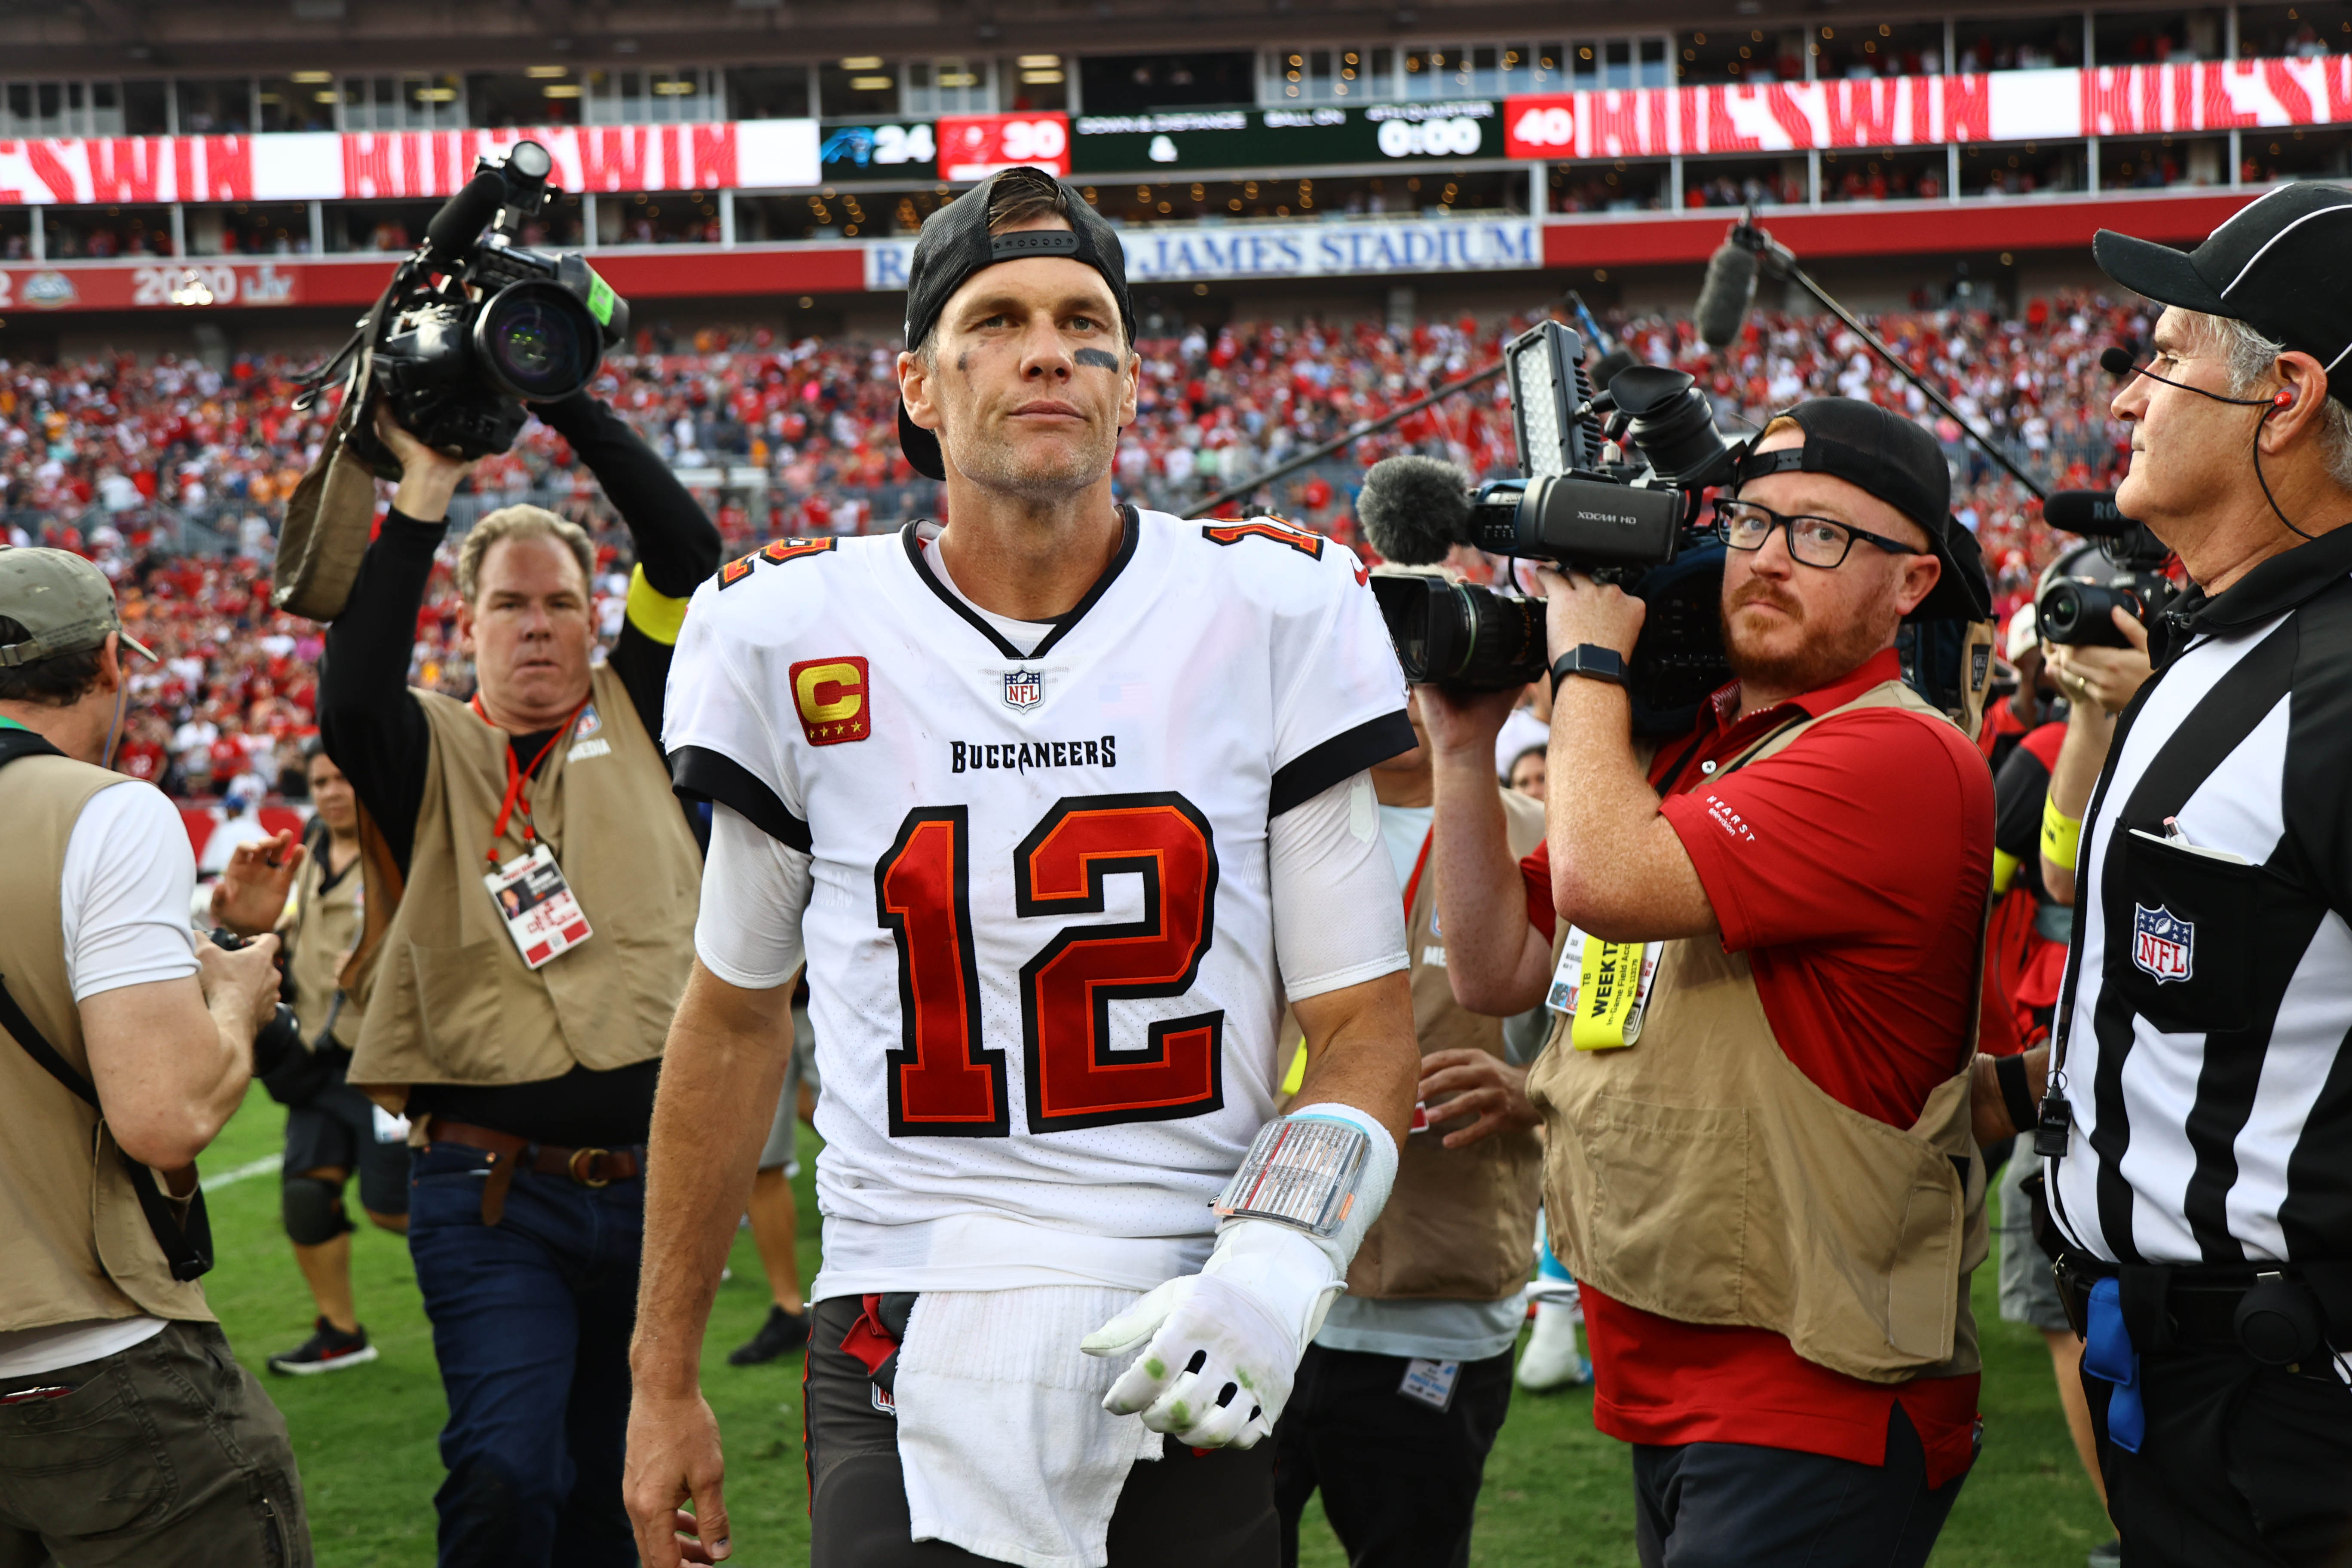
{"type": "Point", "coordinates": [943, 1082]}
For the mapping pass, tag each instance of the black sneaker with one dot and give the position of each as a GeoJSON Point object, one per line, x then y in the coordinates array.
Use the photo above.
{"type": "Point", "coordinates": [2107, 1556]}
{"type": "Point", "coordinates": [329, 1349]}
{"type": "Point", "coordinates": [781, 1334]}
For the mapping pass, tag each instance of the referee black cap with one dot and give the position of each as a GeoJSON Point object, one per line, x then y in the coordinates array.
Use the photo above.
{"type": "Point", "coordinates": [955, 243]}
{"type": "Point", "coordinates": [2277, 266]}
{"type": "Point", "coordinates": [1897, 460]}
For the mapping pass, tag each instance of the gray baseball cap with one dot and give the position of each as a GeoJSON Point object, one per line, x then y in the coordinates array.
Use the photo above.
{"type": "Point", "coordinates": [64, 602]}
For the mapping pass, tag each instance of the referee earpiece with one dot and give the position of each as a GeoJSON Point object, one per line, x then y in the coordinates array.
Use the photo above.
{"type": "Point", "coordinates": [2284, 399]}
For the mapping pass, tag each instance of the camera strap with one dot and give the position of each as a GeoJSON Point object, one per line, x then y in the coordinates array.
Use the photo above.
{"type": "Point", "coordinates": [186, 1238]}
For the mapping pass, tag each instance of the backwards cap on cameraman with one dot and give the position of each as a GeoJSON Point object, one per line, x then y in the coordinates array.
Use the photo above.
{"type": "Point", "coordinates": [1894, 459]}
{"type": "Point", "coordinates": [955, 243]}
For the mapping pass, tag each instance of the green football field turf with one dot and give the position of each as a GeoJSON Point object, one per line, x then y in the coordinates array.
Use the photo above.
{"type": "Point", "coordinates": [1557, 1494]}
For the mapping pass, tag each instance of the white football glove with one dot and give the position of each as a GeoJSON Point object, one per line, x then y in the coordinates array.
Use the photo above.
{"type": "Point", "coordinates": [1224, 1343]}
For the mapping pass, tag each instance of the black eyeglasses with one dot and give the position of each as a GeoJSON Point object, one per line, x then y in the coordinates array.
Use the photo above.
{"type": "Point", "coordinates": [1812, 541]}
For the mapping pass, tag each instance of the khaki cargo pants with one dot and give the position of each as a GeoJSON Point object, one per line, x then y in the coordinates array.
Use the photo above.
{"type": "Point", "coordinates": [167, 1455]}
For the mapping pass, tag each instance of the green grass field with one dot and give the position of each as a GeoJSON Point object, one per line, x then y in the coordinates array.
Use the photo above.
{"type": "Point", "coordinates": [1557, 1493]}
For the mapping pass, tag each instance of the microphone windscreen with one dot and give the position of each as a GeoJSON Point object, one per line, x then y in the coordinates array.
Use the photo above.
{"type": "Point", "coordinates": [464, 215]}
{"type": "Point", "coordinates": [1604, 369]}
{"type": "Point", "coordinates": [1413, 509]}
{"type": "Point", "coordinates": [1725, 294]}
{"type": "Point", "coordinates": [2116, 361]}
{"type": "Point", "coordinates": [2092, 512]}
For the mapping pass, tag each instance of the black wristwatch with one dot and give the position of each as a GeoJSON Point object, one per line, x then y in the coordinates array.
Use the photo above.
{"type": "Point", "coordinates": [1590, 659]}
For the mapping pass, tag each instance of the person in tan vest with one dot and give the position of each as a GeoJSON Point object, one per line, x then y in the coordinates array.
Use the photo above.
{"type": "Point", "coordinates": [1759, 1160]}
{"type": "Point", "coordinates": [530, 886]}
{"type": "Point", "coordinates": [128, 1432]}
{"type": "Point", "coordinates": [332, 1130]}
{"type": "Point", "coordinates": [1401, 1393]}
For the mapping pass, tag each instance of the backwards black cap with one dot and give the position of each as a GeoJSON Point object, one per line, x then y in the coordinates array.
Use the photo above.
{"type": "Point", "coordinates": [2277, 266]}
{"type": "Point", "coordinates": [955, 243]}
{"type": "Point", "coordinates": [1899, 462]}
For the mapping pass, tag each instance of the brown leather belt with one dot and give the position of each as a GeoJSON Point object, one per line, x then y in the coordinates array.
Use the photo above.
{"type": "Point", "coordinates": [509, 1153]}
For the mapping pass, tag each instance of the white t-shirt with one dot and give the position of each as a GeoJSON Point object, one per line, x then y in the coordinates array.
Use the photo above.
{"type": "Point", "coordinates": [1044, 937]}
{"type": "Point", "coordinates": [129, 880]}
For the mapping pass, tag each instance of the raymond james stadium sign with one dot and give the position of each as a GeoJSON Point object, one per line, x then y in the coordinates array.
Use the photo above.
{"type": "Point", "coordinates": [1208, 254]}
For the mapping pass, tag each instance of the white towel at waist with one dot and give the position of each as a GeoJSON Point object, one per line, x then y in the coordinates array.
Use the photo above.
{"type": "Point", "coordinates": [1006, 1449]}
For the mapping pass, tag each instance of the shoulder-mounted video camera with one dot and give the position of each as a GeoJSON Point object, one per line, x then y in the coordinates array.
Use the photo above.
{"type": "Point", "coordinates": [476, 325]}
{"type": "Point", "coordinates": [1634, 525]}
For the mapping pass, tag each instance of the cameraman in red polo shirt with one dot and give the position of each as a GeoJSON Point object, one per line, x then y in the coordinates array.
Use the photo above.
{"type": "Point", "coordinates": [1758, 1164]}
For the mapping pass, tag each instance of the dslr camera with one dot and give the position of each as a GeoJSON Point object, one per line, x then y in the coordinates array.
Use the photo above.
{"type": "Point", "coordinates": [476, 325]}
{"type": "Point", "coordinates": [1636, 525]}
{"type": "Point", "coordinates": [2076, 611]}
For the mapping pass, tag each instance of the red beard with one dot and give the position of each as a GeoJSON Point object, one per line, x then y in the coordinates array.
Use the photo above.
{"type": "Point", "coordinates": [1814, 660]}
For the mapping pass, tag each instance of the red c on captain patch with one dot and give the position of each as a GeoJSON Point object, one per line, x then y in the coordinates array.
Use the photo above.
{"type": "Point", "coordinates": [832, 699]}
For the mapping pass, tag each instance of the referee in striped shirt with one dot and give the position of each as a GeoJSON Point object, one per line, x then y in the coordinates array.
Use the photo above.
{"type": "Point", "coordinates": [2197, 1126]}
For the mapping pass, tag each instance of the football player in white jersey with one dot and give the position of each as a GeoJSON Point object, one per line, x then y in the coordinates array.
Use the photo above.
{"type": "Point", "coordinates": [1066, 801]}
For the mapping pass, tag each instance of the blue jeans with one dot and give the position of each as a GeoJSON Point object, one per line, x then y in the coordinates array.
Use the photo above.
{"type": "Point", "coordinates": [531, 1320]}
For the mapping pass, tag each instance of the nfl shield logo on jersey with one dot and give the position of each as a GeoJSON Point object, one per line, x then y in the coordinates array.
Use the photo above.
{"type": "Point", "coordinates": [2162, 942]}
{"type": "Point", "coordinates": [1024, 688]}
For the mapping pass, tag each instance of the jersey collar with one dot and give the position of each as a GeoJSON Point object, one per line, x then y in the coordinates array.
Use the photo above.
{"type": "Point", "coordinates": [1063, 623]}
{"type": "Point", "coordinates": [2286, 582]}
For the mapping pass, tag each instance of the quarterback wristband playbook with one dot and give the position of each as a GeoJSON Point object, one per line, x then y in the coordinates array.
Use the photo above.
{"type": "Point", "coordinates": [1590, 659]}
{"type": "Point", "coordinates": [2062, 836]}
{"type": "Point", "coordinates": [1324, 1170]}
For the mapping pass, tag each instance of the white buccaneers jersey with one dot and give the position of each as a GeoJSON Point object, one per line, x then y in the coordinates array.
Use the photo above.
{"type": "Point", "coordinates": [1039, 931]}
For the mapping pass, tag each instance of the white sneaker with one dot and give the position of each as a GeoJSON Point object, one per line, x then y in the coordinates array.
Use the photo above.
{"type": "Point", "coordinates": [1552, 1359]}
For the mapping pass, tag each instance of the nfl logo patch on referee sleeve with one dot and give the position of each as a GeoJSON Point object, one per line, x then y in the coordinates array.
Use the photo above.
{"type": "Point", "coordinates": [2163, 943]}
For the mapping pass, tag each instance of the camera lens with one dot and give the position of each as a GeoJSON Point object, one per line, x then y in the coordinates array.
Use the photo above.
{"type": "Point", "coordinates": [2082, 614]}
{"type": "Point", "coordinates": [536, 341]}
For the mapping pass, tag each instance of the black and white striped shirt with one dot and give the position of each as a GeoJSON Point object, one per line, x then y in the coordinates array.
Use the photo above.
{"type": "Point", "coordinates": [2208, 995]}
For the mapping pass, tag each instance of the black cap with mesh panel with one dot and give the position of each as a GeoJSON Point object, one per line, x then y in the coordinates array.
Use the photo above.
{"type": "Point", "coordinates": [2278, 265]}
{"type": "Point", "coordinates": [1895, 459]}
{"type": "Point", "coordinates": [955, 243]}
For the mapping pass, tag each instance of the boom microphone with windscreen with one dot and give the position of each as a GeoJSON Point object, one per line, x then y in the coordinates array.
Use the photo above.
{"type": "Point", "coordinates": [1726, 295]}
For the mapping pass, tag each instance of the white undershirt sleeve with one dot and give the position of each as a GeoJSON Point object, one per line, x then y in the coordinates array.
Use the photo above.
{"type": "Point", "coordinates": [1338, 915]}
{"type": "Point", "coordinates": [754, 891]}
{"type": "Point", "coordinates": [127, 893]}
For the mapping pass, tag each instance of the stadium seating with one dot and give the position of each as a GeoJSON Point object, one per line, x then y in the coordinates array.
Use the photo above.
{"type": "Point", "coordinates": [171, 474]}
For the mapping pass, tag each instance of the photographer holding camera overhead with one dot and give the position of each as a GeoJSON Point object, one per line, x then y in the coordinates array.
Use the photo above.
{"type": "Point", "coordinates": [530, 895]}
{"type": "Point", "coordinates": [1759, 1161]}
{"type": "Point", "coordinates": [2196, 1134]}
{"type": "Point", "coordinates": [128, 1432]}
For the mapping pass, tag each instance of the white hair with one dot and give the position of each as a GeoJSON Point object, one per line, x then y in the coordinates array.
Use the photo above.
{"type": "Point", "coordinates": [2250, 356]}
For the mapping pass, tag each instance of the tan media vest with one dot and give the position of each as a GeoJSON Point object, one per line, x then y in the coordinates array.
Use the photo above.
{"type": "Point", "coordinates": [1700, 1175]}
{"type": "Point", "coordinates": [79, 1247]}
{"type": "Point", "coordinates": [324, 926]}
{"type": "Point", "coordinates": [448, 999]}
{"type": "Point", "coordinates": [1460, 1224]}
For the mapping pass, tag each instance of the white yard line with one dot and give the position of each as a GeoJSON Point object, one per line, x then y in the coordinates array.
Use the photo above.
{"type": "Point", "coordinates": [239, 1173]}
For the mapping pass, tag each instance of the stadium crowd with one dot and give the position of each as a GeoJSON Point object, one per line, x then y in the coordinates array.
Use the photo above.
{"type": "Point", "coordinates": [115, 459]}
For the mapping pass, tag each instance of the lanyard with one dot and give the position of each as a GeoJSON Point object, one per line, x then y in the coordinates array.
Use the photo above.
{"type": "Point", "coordinates": [517, 779]}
